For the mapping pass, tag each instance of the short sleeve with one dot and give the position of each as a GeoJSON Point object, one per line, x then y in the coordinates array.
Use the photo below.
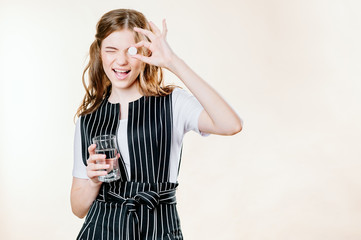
{"type": "Point", "coordinates": [186, 111]}
{"type": "Point", "coordinates": [79, 169]}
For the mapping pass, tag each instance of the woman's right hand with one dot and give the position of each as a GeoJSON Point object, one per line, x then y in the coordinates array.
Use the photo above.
{"type": "Point", "coordinates": [96, 162]}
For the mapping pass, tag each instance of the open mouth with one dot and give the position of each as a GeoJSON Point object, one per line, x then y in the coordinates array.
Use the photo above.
{"type": "Point", "coordinates": [121, 74]}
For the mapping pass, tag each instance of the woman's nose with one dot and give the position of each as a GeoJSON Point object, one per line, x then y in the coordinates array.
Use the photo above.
{"type": "Point", "coordinates": [122, 58]}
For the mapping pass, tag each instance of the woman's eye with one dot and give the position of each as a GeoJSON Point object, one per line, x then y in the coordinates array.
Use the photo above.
{"type": "Point", "coordinates": [110, 51]}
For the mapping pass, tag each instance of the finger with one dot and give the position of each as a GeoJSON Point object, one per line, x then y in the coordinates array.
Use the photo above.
{"type": "Point", "coordinates": [96, 157]}
{"type": "Point", "coordinates": [142, 58]}
{"type": "Point", "coordinates": [96, 167]}
{"type": "Point", "coordinates": [165, 29]}
{"type": "Point", "coordinates": [147, 33]}
{"type": "Point", "coordinates": [143, 44]}
{"type": "Point", "coordinates": [91, 149]}
{"type": "Point", "coordinates": [155, 28]}
{"type": "Point", "coordinates": [94, 174]}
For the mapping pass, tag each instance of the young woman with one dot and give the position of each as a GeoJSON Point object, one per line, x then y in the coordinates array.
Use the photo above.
{"type": "Point", "coordinates": [126, 97]}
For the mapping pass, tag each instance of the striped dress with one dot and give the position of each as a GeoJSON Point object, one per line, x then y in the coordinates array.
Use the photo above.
{"type": "Point", "coordinates": [142, 205]}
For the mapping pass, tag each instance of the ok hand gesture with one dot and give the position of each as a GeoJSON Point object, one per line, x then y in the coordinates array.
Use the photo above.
{"type": "Point", "coordinates": [162, 55]}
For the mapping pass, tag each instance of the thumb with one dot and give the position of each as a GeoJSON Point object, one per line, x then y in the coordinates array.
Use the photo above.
{"type": "Point", "coordinates": [142, 58]}
{"type": "Point", "coordinates": [91, 149]}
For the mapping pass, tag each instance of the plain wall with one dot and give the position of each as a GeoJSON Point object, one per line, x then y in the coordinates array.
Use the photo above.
{"type": "Point", "coordinates": [290, 68]}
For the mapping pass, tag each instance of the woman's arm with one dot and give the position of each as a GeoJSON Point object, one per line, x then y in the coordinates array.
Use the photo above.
{"type": "Point", "coordinates": [84, 191]}
{"type": "Point", "coordinates": [218, 117]}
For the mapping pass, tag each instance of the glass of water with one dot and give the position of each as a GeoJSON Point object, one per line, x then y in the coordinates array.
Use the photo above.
{"type": "Point", "coordinates": [106, 144]}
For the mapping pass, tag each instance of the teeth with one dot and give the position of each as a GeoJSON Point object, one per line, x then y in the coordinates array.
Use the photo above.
{"type": "Point", "coordinates": [120, 71]}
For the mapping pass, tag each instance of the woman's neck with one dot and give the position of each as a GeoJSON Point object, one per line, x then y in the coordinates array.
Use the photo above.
{"type": "Point", "coordinates": [124, 95]}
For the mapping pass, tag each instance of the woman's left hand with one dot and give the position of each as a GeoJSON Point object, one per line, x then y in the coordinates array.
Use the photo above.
{"type": "Point", "coordinates": [161, 53]}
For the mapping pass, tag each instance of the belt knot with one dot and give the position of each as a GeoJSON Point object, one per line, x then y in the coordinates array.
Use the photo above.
{"type": "Point", "coordinates": [149, 198]}
{"type": "Point", "coordinates": [131, 204]}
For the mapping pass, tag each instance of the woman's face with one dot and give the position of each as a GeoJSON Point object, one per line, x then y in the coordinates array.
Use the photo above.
{"type": "Point", "coordinates": [121, 69]}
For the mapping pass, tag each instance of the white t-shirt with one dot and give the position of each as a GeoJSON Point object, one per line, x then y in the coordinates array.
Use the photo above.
{"type": "Point", "coordinates": [186, 112]}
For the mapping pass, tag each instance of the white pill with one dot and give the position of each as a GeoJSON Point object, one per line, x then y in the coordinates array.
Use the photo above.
{"type": "Point", "coordinates": [132, 51]}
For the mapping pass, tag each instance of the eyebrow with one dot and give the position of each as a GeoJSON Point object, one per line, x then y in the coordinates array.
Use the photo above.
{"type": "Point", "coordinates": [112, 48]}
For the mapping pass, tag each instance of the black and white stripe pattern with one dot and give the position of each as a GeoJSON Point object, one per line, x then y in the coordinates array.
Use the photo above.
{"type": "Point", "coordinates": [149, 138]}
{"type": "Point", "coordinates": [105, 120]}
{"type": "Point", "coordinates": [142, 205]}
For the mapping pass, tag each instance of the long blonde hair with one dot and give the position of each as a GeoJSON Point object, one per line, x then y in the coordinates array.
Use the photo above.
{"type": "Point", "coordinates": [150, 78]}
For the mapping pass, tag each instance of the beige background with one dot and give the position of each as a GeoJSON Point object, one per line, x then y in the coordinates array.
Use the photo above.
{"type": "Point", "coordinates": [290, 68]}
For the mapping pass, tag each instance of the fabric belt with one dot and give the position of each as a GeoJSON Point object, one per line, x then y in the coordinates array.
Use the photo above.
{"type": "Point", "coordinates": [150, 199]}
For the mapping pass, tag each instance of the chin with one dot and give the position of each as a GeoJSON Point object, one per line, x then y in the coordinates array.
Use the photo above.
{"type": "Point", "coordinates": [123, 85]}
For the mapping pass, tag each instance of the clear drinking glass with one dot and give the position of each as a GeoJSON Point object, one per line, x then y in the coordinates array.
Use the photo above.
{"type": "Point", "coordinates": [106, 144]}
